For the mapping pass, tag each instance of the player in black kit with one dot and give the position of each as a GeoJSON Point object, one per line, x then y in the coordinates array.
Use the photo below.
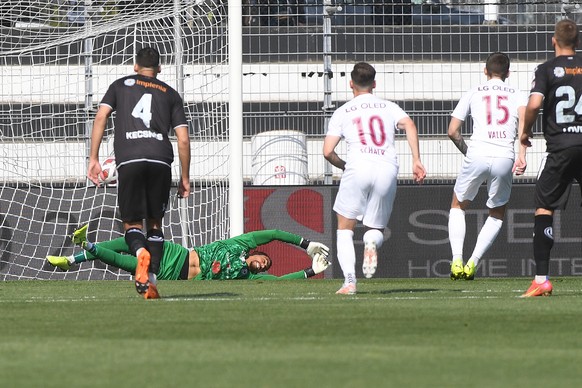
{"type": "Point", "coordinates": [146, 110]}
{"type": "Point", "coordinates": [557, 88]}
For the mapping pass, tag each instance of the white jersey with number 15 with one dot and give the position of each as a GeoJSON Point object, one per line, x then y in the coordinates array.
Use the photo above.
{"type": "Point", "coordinates": [493, 106]}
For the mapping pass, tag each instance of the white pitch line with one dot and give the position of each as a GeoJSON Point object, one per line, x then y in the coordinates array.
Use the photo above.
{"type": "Point", "coordinates": [464, 294]}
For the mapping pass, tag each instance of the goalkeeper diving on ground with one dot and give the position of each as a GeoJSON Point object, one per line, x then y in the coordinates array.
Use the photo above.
{"type": "Point", "coordinates": [233, 258]}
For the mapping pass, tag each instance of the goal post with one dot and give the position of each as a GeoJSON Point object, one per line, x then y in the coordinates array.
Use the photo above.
{"type": "Point", "coordinates": [236, 118]}
{"type": "Point", "coordinates": [57, 59]}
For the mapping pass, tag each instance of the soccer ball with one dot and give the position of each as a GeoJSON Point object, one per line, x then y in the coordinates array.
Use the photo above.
{"type": "Point", "coordinates": [108, 174]}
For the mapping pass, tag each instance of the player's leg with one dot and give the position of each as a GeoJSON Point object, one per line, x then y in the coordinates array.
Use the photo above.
{"type": "Point", "coordinates": [553, 181]}
{"type": "Point", "coordinates": [373, 239]}
{"type": "Point", "coordinates": [109, 253]}
{"type": "Point", "coordinates": [136, 240]}
{"type": "Point", "coordinates": [155, 241]}
{"type": "Point", "coordinates": [499, 190]}
{"type": "Point", "coordinates": [118, 245]}
{"type": "Point", "coordinates": [349, 204]}
{"type": "Point", "coordinates": [457, 229]}
{"type": "Point", "coordinates": [132, 199]}
{"type": "Point", "coordinates": [543, 242]}
{"type": "Point", "coordinates": [79, 237]}
{"type": "Point", "coordinates": [66, 262]}
{"type": "Point", "coordinates": [485, 239]}
{"type": "Point", "coordinates": [377, 214]}
{"type": "Point", "coordinates": [472, 175]}
{"type": "Point", "coordinates": [553, 193]}
{"type": "Point", "coordinates": [155, 245]}
{"type": "Point", "coordinates": [108, 256]}
{"type": "Point", "coordinates": [158, 194]}
{"type": "Point", "coordinates": [346, 254]}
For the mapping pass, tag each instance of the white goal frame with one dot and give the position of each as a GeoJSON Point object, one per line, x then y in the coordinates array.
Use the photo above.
{"type": "Point", "coordinates": [44, 193]}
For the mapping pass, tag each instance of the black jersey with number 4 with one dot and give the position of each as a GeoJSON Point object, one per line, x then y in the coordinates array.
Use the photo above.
{"type": "Point", "coordinates": [146, 110]}
{"type": "Point", "coordinates": [560, 81]}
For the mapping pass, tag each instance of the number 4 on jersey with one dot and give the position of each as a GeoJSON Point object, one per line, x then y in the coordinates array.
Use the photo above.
{"type": "Point", "coordinates": [143, 109]}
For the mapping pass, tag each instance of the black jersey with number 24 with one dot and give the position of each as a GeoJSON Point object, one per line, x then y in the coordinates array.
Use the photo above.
{"type": "Point", "coordinates": [560, 81]}
{"type": "Point", "coordinates": [146, 109]}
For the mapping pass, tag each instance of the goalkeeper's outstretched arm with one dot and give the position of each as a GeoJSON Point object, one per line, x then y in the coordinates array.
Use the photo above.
{"type": "Point", "coordinates": [318, 265]}
{"type": "Point", "coordinates": [311, 247]}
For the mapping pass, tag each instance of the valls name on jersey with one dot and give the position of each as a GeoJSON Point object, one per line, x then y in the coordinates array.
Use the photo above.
{"type": "Point", "coordinates": [365, 105]}
{"type": "Point", "coordinates": [144, 135]}
{"type": "Point", "coordinates": [497, 134]}
{"type": "Point", "coordinates": [370, 150]}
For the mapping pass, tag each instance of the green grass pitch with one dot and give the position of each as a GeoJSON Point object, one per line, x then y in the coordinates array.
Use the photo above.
{"type": "Point", "coordinates": [393, 333]}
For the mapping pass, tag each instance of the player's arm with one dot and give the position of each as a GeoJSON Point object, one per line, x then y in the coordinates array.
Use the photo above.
{"type": "Point", "coordinates": [289, 276]}
{"type": "Point", "coordinates": [418, 170]}
{"type": "Point", "coordinates": [455, 135]}
{"type": "Point", "coordinates": [520, 163]}
{"type": "Point", "coordinates": [99, 125]}
{"type": "Point", "coordinates": [265, 236]}
{"type": "Point", "coordinates": [318, 265]}
{"type": "Point", "coordinates": [532, 111]}
{"type": "Point", "coordinates": [329, 144]}
{"type": "Point", "coordinates": [184, 156]}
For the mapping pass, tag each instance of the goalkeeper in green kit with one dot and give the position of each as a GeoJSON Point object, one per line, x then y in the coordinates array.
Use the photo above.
{"type": "Point", "coordinates": [233, 258]}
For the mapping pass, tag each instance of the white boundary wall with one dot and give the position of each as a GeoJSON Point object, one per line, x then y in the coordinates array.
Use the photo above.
{"type": "Point", "coordinates": [261, 82]}
{"type": "Point", "coordinates": [66, 161]}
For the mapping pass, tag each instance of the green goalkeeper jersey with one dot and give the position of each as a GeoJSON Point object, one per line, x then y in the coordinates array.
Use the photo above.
{"type": "Point", "coordinates": [220, 260]}
{"type": "Point", "coordinates": [226, 259]}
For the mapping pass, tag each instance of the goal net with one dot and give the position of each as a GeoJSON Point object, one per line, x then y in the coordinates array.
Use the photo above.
{"type": "Point", "coordinates": [57, 59]}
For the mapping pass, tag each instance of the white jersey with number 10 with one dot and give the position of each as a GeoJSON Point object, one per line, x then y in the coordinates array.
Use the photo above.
{"type": "Point", "coordinates": [367, 124]}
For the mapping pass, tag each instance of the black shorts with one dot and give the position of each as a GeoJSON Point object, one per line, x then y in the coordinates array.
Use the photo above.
{"type": "Point", "coordinates": [558, 172]}
{"type": "Point", "coordinates": [143, 190]}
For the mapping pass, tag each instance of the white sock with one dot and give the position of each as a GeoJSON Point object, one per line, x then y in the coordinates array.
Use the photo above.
{"type": "Point", "coordinates": [457, 230]}
{"type": "Point", "coordinates": [487, 235]}
{"type": "Point", "coordinates": [152, 278]}
{"type": "Point", "coordinates": [350, 279]}
{"type": "Point", "coordinates": [540, 279]}
{"type": "Point", "coordinates": [374, 235]}
{"type": "Point", "coordinates": [346, 254]}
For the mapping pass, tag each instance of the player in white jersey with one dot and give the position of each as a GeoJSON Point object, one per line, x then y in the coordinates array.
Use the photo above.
{"type": "Point", "coordinates": [496, 109]}
{"type": "Point", "coordinates": [368, 184]}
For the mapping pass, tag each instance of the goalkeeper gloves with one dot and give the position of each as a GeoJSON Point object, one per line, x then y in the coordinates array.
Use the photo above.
{"type": "Point", "coordinates": [313, 247]}
{"type": "Point", "coordinates": [318, 265]}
